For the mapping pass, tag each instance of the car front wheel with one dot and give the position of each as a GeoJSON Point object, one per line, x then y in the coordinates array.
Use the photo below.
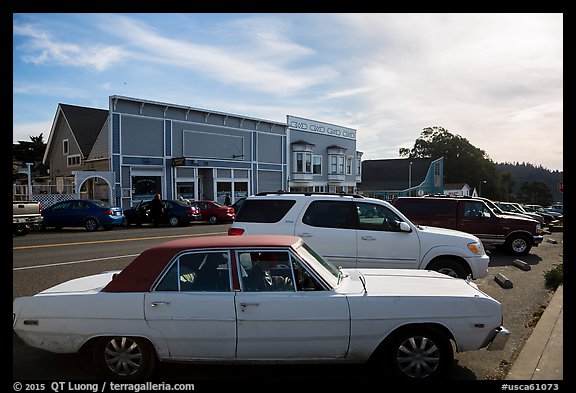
{"type": "Point", "coordinates": [518, 245]}
{"type": "Point", "coordinates": [419, 353]}
{"type": "Point", "coordinates": [124, 358]}
{"type": "Point", "coordinates": [449, 267]}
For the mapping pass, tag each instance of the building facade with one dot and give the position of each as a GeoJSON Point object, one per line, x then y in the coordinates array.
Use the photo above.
{"type": "Point", "coordinates": [150, 147]}
{"type": "Point", "coordinates": [323, 157]}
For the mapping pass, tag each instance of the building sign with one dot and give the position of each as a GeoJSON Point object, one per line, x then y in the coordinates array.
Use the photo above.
{"type": "Point", "coordinates": [300, 124]}
{"type": "Point", "coordinates": [179, 161]}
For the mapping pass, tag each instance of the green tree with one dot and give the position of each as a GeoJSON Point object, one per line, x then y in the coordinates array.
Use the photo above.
{"type": "Point", "coordinates": [506, 185]}
{"type": "Point", "coordinates": [29, 151]}
{"type": "Point", "coordinates": [535, 193]}
{"type": "Point", "coordinates": [462, 161]}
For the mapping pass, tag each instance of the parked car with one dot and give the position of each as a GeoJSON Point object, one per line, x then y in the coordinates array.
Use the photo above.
{"type": "Point", "coordinates": [190, 300]}
{"type": "Point", "coordinates": [88, 213]}
{"type": "Point", "coordinates": [549, 217]}
{"type": "Point", "coordinates": [353, 231]}
{"type": "Point", "coordinates": [513, 208]}
{"type": "Point", "coordinates": [237, 205]}
{"type": "Point", "coordinates": [214, 212]}
{"type": "Point", "coordinates": [516, 234]}
{"type": "Point", "coordinates": [175, 213]}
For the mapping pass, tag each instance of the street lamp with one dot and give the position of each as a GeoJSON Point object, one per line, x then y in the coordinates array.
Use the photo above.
{"type": "Point", "coordinates": [410, 179]}
{"type": "Point", "coordinates": [480, 188]}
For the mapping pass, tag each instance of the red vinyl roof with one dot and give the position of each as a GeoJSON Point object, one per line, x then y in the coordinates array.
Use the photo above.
{"type": "Point", "coordinates": [141, 273]}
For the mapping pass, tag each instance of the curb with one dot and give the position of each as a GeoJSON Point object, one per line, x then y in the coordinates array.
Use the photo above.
{"type": "Point", "coordinates": [541, 357]}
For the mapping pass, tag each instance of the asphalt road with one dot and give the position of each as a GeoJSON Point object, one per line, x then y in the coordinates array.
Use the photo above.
{"type": "Point", "coordinates": [44, 259]}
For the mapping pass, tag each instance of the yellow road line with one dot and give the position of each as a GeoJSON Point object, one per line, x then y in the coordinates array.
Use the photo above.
{"type": "Point", "coordinates": [135, 239]}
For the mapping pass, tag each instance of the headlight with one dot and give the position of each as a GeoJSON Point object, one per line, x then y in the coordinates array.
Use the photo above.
{"type": "Point", "coordinates": [477, 248]}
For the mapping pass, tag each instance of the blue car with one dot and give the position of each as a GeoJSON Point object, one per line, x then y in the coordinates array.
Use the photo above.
{"type": "Point", "coordinates": [88, 213]}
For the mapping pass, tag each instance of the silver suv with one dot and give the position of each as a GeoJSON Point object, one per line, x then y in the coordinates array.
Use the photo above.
{"type": "Point", "coordinates": [353, 231]}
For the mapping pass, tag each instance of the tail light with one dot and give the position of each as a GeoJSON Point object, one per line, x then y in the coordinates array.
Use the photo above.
{"type": "Point", "coordinates": [235, 231]}
{"type": "Point", "coordinates": [192, 211]}
{"type": "Point", "coordinates": [109, 212]}
{"type": "Point", "coordinates": [39, 207]}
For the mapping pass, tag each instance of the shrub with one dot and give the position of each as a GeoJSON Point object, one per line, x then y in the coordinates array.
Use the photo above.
{"type": "Point", "coordinates": [554, 277]}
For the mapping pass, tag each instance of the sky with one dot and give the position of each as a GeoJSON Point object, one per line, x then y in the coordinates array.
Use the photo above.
{"type": "Point", "coordinates": [495, 79]}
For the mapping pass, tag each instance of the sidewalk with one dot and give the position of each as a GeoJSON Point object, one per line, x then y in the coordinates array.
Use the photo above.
{"type": "Point", "coordinates": [542, 355]}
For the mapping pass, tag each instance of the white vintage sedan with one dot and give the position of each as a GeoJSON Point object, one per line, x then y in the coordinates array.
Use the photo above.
{"type": "Point", "coordinates": [259, 299]}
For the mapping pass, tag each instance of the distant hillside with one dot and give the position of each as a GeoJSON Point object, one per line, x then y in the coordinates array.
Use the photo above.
{"type": "Point", "coordinates": [527, 172]}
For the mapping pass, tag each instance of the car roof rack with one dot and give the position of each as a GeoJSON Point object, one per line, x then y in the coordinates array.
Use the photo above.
{"type": "Point", "coordinates": [282, 192]}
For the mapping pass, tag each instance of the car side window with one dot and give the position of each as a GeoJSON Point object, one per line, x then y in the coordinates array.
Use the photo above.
{"type": "Point", "coordinates": [198, 272]}
{"type": "Point", "coordinates": [475, 209]}
{"type": "Point", "coordinates": [375, 217]}
{"type": "Point", "coordinates": [265, 271]}
{"type": "Point", "coordinates": [331, 214]}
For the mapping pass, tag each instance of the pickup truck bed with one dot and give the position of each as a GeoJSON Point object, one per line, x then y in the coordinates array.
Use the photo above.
{"type": "Point", "coordinates": [25, 215]}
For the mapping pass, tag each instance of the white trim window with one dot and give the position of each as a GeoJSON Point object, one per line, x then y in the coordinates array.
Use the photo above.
{"type": "Point", "coordinates": [317, 165]}
{"type": "Point", "coordinates": [302, 162]}
{"type": "Point", "coordinates": [348, 165]}
{"type": "Point", "coordinates": [65, 147]}
{"type": "Point", "coordinates": [336, 164]}
{"type": "Point", "coordinates": [73, 160]}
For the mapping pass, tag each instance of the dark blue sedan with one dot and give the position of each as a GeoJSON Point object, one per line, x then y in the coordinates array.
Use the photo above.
{"type": "Point", "coordinates": [174, 213]}
{"type": "Point", "coordinates": [88, 213]}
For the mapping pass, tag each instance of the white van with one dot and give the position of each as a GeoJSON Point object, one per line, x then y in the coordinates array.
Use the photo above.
{"type": "Point", "coordinates": [353, 231]}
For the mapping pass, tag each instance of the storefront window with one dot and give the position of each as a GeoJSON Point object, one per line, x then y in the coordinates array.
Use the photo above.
{"type": "Point", "coordinates": [223, 189]}
{"type": "Point", "coordinates": [145, 187]}
{"type": "Point", "coordinates": [185, 190]}
{"type": "Point", "coordinates": [240, 190]}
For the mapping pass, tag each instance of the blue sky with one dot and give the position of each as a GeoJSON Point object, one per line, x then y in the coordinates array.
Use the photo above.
{"type": "Point", "coordinates": [494, 79]}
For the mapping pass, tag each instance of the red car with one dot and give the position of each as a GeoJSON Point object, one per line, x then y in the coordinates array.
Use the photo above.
{"type": "Point", "coordinates": [214, 212]}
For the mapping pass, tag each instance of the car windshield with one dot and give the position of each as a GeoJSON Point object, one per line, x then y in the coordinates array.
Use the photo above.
{"type": "Point", "coordinates": [329, 272]}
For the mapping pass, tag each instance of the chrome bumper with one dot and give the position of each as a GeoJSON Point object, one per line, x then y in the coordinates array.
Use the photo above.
{"type": "Point", "coordinates": [499, 340]}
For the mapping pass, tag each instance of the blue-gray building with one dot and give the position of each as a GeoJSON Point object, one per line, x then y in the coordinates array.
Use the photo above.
{"type": "Point", "coordinates": [138, 148]}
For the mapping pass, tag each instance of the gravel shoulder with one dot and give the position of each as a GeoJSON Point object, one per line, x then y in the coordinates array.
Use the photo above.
{"type": "Point", "coordinates": [521, 304]}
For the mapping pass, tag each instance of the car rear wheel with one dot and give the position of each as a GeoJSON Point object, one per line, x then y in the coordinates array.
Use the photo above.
{"type": "Point", "coordinates": [91, 224]}
{"type": "Point", "coordinates": [213, 220]}
{"type": "Point", "coordinates": [419, 353]}
{"type": "Point", "coordinates": [174, 221]}
{"type": "Point", "coordinates": [124, 358]}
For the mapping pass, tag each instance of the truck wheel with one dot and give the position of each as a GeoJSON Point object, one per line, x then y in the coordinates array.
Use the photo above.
{"type": "Point", "coordinates": [21, 230]}
{"type": "Point", "coordinates": [518, 245]}
{"type": "Point", "coordinates": [449, 267]}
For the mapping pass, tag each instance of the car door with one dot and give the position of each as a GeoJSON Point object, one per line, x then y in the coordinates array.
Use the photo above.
{"type": "Point", "coordinates": [381, 243]}
{"type": "Point", "coordinates": [301, 320]}
{"type": "Point", "coordinates": [476, 218]}
{"type": "Point", "coordinates": [57, 214]}
{"type": "Point", "coordinates": [329, 227]}
{"type": "Point", "coordinates": [192, 307]}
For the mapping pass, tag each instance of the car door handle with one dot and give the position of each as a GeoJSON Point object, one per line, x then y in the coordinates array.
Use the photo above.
{"type": "Point", "coordinates": [156, 304]}
{"type": "Point", "coordinates": [305, 234]}
{"type": "Point", "coordinates": [368, 238]}
{"type": "Point", "coordinates": [244, 305]}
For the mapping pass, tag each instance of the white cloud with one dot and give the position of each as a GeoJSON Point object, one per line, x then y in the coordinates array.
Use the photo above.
{"type": "Point", "coordinates": [42, 48]}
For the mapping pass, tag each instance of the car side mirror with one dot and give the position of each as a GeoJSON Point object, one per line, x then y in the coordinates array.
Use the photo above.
{"type": "Point", "coordinates": [404, 227]}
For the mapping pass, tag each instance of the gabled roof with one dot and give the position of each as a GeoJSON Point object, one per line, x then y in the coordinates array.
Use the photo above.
{"type": "Point", "coordinates": [85, 123]}
{"type": "Point", "coordinates": [394, 174]}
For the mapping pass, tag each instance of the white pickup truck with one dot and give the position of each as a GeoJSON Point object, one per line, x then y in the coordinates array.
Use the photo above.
{"type": "Point", "coordinates": [26, 215]}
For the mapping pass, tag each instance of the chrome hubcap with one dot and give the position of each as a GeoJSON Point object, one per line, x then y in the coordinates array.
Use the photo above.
{"type": "Point", "coordinates": [123, 356]}
{"type": "Point", "coordinates": [418, 357]}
